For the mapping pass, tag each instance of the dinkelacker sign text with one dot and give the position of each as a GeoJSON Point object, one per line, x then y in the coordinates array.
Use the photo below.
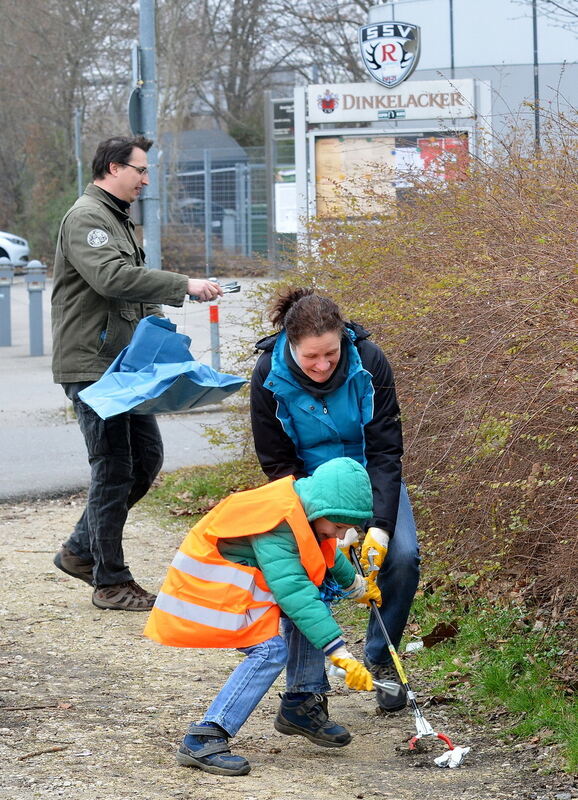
{"type": "Point", "coordinates": [359, 102]}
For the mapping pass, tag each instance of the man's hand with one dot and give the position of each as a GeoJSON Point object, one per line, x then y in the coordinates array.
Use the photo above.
{"type": "Point", "coordinates": [356, 676]}
{"type": "Point", "coordinates": [377, 541]}
{"type": "Point", "coordinates": [363, 591]}
{"type": "Point", "coordinates": [351, 539]}
{"type": "Point", "coordinates": [203, 290]}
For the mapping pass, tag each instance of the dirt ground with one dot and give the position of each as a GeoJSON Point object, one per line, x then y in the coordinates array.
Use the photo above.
{"type": "Point", "coordinates": [90, 709]}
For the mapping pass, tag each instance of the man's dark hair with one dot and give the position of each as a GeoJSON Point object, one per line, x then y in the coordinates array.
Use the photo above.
{"type": "Point", "coordinates": [118, 151]}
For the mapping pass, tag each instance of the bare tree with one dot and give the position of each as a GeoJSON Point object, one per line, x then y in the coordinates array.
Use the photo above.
{"type": "Point", "coordinates": [217, 57]}
{"type": "Point", "coordinates": [237, 62]}
{"type": "Point", "coordinates": [324, 37]}
{"type": "Point", "coordinates": [55, 55]}
{"type": "Point", "coordinates": [561, 12]}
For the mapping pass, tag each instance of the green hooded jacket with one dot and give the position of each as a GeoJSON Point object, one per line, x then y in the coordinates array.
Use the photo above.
{"type": "Point", "coordinates": [101, 288]}
{"type": "Point", "coordinates": [338, 490]}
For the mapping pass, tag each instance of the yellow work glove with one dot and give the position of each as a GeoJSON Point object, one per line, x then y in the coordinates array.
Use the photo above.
{"type": "Point", "coordinates": [356, 676]}
{"type": "Point", "coordinates": [351, 539]}
{"type": "Point", "coordinates": [363, 591]}
{"type": "Point", "coordinates": [375, 543]}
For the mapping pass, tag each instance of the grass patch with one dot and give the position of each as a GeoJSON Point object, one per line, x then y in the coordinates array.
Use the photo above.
{"type": "Point", "coordinates": [499, 660]}
{"type": "Point", "coordinates": [192, 491]}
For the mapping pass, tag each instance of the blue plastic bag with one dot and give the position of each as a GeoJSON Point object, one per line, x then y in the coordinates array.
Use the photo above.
{"type": "Point", "coordinates": [157, 374]}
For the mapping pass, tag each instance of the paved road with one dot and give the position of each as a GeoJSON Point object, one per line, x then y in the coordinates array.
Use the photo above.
{"type": "Point", "coordinates": [41, 448]}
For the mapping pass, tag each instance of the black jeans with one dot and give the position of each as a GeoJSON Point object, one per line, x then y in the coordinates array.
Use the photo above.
{"type": "Point", "coordinates": [125, 454]}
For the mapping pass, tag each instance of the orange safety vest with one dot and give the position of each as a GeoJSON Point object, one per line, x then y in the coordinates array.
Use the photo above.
{"type": "Point", "coordinates": [207, 601]}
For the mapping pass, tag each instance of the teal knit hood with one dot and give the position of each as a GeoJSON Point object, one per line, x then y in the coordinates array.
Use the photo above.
{"type": "Point", "coordinates": [338, 490]}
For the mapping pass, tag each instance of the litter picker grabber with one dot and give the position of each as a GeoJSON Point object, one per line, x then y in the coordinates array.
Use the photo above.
{"type": "Point", "coordinates": [228, 287]}
{"type": "Point", "coordinates": [423, 728]}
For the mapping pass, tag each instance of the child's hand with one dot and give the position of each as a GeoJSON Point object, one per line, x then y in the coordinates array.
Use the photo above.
{"type": "Point", "coordinates": [363, 591]}
{"type": "Point", "coordinates": [356, 676]}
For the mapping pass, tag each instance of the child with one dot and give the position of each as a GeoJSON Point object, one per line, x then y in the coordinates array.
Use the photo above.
{"type": "Point", "coordinates": [257, 556]}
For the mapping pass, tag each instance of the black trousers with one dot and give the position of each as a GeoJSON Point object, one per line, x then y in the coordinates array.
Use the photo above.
{"type": "Point", "coordinates": [125, 454]}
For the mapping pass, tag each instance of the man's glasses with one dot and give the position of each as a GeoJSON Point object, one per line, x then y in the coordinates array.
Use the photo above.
{"type": "Point", "coordinates": [140, 170]}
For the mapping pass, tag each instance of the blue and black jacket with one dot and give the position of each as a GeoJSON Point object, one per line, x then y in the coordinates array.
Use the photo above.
{"type": "Point", "coordinates": [294, 431]}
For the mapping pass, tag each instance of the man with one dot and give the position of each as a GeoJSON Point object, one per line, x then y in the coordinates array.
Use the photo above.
{"type": "Point", "coordinates": [101, 291]}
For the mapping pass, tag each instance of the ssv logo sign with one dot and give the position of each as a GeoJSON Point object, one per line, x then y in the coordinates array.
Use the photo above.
{"type": "Point", "coordinates": [390, 51]}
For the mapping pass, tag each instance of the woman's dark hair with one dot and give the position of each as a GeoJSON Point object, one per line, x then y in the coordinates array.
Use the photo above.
{"type": "Point", "coordinates": [117, 150]}
{"type": "Point", "coordinates": [302, 312]}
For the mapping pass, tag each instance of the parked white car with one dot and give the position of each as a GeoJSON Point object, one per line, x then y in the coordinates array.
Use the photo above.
{"type": "Point", "coordinates": [14, 248]}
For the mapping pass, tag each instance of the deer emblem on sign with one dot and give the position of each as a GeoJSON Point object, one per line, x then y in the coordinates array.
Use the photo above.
{"type": "Point", "coordinates": [390, 51]}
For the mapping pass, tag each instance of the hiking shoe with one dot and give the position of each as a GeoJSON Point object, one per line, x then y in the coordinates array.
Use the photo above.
{"type": "Point", "coordinates": [73, 565]}
{"type": "Point", "coordinates": [309, 717]}
{"type": "Point", "coordinates": [387, 701]}
{"type": "Point", "coordinates": [207, 748]}
{"type": "Point", "coordinates": [128, 596]}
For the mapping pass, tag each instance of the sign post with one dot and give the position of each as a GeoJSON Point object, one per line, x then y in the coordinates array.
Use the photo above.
{"type": "Point", "coordinates": [279, 126]}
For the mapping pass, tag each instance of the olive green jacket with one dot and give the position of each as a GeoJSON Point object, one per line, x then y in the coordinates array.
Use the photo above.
{"type": "Point", "coordinates": [101, 288]}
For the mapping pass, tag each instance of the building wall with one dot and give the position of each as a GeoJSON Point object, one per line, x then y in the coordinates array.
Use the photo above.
{"type": "Point", "coordinates": [493, 42]}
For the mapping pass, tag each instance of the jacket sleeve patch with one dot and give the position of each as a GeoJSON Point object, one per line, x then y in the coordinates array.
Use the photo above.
{"type": "Point", "coordinates": [97, 237]}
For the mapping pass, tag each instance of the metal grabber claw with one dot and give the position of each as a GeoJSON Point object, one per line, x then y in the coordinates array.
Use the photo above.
{"type": "Point", "coordinates": [454, 755]}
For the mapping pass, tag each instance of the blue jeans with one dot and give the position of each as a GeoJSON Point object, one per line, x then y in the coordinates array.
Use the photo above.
{"type": "Point", "coordinates": [305, 664]}
{"type": "Point", "coordinates": [398, 579]}
{"type": "Point", "coordinates": [247, 684]}
{"type": "Point", "coordinates": [125, 455]}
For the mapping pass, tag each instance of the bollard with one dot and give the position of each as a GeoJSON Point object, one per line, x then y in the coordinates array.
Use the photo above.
{"type": "Point", "coordinates": [215, 344]}
{"type": "Point", "coordinates": [6, 275]}
{"type": "Point", "coordinates": [228, 287]}
{"type": "Point", "coordinates": [35, 280]}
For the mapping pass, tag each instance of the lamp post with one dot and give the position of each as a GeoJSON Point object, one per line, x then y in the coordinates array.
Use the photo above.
{"type": "Point", "coordinates": [151, 197]}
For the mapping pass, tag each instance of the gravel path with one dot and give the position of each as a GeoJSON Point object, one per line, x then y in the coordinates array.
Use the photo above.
{"type": "Point", "coordinates": [90, 709]}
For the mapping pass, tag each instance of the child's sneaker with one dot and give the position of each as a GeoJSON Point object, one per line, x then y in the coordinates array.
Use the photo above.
{"type": "Point", "coordinates": [307, 716]}
{"type": "Point", "coordinates": [206, 747]}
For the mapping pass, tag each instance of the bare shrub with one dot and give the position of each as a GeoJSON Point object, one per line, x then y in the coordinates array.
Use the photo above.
{"type": "Point", "coordinates": [469, 289]}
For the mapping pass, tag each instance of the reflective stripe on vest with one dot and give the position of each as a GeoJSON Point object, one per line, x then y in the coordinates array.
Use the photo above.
{"type": "Point", "coordinates": [224, 620]}
{"type": "Point", "coordinates": [220, 573]}
{"type": "Point", "coordinates": [209, 601]}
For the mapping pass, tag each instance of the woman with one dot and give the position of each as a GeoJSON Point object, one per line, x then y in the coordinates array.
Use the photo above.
{"type": "Point", "coordinates": [320, 390]}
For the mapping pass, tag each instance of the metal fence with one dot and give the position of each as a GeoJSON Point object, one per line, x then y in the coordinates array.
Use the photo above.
{"type": "Point", "coordinates": [215, 212]}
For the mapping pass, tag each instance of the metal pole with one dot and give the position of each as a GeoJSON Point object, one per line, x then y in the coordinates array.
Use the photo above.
{"type": "Point", "coordinates": [452, 63]}
{"type": "Point", "coordinates": [241, 192]}
{"type": "Point", "coordinates": [215, 343]}
{"type": "Point", "coordinates": [301, 171]}
{"type": "Point", "coordinates": [248, 178]}
{"type": "Point", "coordinates": [6, 272]}
{"type": "Point", "coordinates": [208, 209]}
{"type": "Point", "coordinates": [270, 177]}
{"type": "Point", "coordinates": [35, 282]}
{"type": "Point", "coordinates": [5, 316]}
{"type": "Point", "coordinates": [151, 198]}
{"type": "Point", "coordinates": [78, 114]}
{"type": "Point", "coordinates": [35, 323]}
{"type": "Point", "coordinates": [536, 78]}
